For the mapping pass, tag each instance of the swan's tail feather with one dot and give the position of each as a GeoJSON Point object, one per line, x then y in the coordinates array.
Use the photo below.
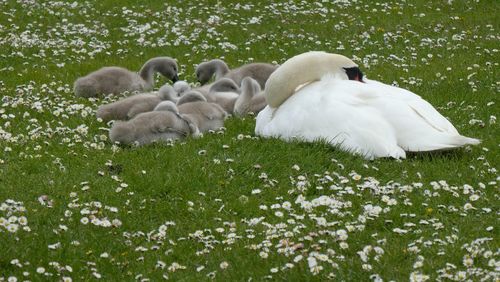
{"type": "Point", "coordinates": [446, 142]}
{"type": "Point", "coordinates": [464, 140]}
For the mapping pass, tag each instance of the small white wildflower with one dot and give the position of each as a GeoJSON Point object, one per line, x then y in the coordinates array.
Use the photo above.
{"type": "Point", "coordinates": [40, 270]}
{"type": "Point", "coordinates": [474, 197]}
{"type": "Point", "coordinates": [160, 264]}
{"type": "Point", "coordinates": [116, 222]}
{"type": "Point", "coordinates": [223, 265]}
{"type": "Point", "coordinates": [468, 261]}
{"type": "Point", "coordinates": [342, 235]}
{"type": "Point", "coordinates": [55, 246]}
{"type": "Point", "coordinates": [312, 262]}
{"type": "Point", "coordinates": [366, 267]}
{"type": "Point", "coordinates": [297, 258]}
{"type": "Point", "coordinates": [84, 220]}
{"type": "Point", "coordinates": [468, 206]}
{"type": "Point", "coordinates": [12, 228]}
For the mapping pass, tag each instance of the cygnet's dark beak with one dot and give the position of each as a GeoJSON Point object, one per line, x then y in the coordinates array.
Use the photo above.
{"type": "Point", "coordinates": [175, 78]}
{"type": "Point", "coordinates": [354, 73]}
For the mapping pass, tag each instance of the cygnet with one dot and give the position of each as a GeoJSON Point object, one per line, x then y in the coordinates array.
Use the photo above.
{"type": "Point", "coordinates": [251, 99]}
{"type": "Point", "coordinates": [224, 92]}
{"type": "Point", "coordinates": [181, 87]}
{"type": "Point", "coordinates": [115, 80]}
{"type": "Point", "coordinates": [129, 107]}
{"type": "Point", "coordinates": [163, 124]}
{"type": "Point", "coordinates": [257, 71]}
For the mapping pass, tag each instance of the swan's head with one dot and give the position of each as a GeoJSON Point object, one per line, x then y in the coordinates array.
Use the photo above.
{"type": "Point", "coordinates": [166, 66]}
{"type": "Point", "coordinates": [306, 68]}
{"type": "Point", "coordinates": [354, 73]}
{"type": "Point", "coordinates": [224, 85]}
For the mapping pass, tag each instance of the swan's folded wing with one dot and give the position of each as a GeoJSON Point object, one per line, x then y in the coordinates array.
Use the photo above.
{"type": "Point", "coordinates": [331, 111]}
{"type": "Point", "coordinates": [427, 112]}
{"type": "Point", "coordinates": [421, 107]}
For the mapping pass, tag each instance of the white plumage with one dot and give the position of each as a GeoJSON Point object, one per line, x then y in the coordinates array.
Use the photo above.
{"type": "Point", "coordinates": [371, 118]}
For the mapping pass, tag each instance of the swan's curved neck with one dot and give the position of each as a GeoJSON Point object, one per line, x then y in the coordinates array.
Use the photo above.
{"type": "Point", "coordinates": [302, 69]}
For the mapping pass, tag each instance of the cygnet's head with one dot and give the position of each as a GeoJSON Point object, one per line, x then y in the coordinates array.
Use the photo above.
{"type": "Point", "coordinates": [167, 92]}
{"type": "Point", "coordinates": [166, 106]}
{"type": "Point", "coordinates": [191, 96]}
{"type": "Point", "coordinates": [121, 132]}
{"type": "Point", "coordinates": [224, 85]}
{"type": "Point", "coordinates": [206, 70]}
{"type": "Point", "coordinates": [181, 86]}
{"type": "Point", "coordinates": [166, 66]}
{"type": "Point", "coordinates": [250, 85]}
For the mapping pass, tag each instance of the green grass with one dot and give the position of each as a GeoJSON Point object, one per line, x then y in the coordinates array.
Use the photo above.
{"type": "Point", "coordinates": [42, 152]}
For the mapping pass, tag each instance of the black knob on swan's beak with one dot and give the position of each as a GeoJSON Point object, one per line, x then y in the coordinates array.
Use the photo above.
{"type": "Point", "coordinates": [354, 73]}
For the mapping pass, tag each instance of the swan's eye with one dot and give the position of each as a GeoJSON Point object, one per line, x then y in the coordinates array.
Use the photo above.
{"type": "Point", "coordinates": [354, 73]}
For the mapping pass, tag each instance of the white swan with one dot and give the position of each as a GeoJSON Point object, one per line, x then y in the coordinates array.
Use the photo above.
{"type": "Point", "coordinates": [317, 95]}
{"type": "Point", "coordinates": [257, 71]}
{"type": "Point", "coordinates": [131, 106]}
{"type": "Point", "coordinates": [115, 80]}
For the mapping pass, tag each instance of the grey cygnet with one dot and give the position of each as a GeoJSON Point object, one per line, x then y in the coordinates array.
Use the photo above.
{"type": "Point", "coordinates": [257, 71]}
{"type": "Point", "coordinates": [115, 80]}
{"type": "Point", "coordinates": [129, 107]}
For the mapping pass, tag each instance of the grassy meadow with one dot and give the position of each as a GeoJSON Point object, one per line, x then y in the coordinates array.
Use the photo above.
{"type": "Point", "coordinates": [232, 206]}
